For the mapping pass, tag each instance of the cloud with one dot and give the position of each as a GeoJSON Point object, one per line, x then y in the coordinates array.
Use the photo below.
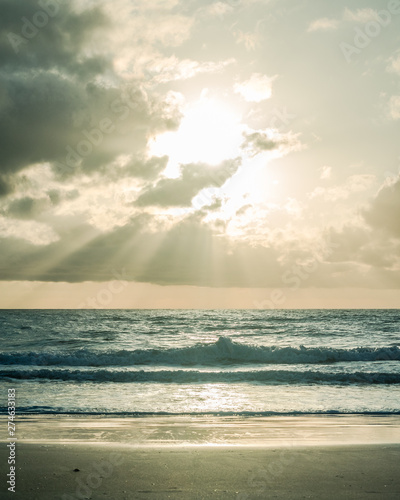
{"type": "Point", "coordinates": [216, 9]}
{"type": "Point", "coordinates": [19, 235]}
{"type": "Point", "coordinates": [353, 184]}
{"type": "Point", "coordinates": [44, 75]}
{"type": "Point", "coordinates": [185, 254]}
{"type": "Point", "coordinates": [260, 141]}
{"type": "Point", "coordinates": [83, 129]}
{"type": "Point", "coordinates": [153, 29]}
{"type": "Point", "coordinates": [83, 100]}
{"type": "Point", "coordinates": [242, 210]}
{"type": "Point", "coordinates": [394, 107]}
{"type": "Point", "coordinates": [156, 5]}
{"type": "Point", "coordinates": [383, 212]}
{"type": "Point", "coordinates": [256, 89]}
{"type": "Point", "coordinates": [376, 257]}
{"type": "Point", "coordinates": [323, 24]}
{"type": "Point", "coordinates": [360, 15]}
{"type": "Point", "coordinates": [327, 24]}
{"type": "Point", "coordinates": [191, 253]}
{"type": "Point", "coordinates": [326, 172]}
{"type": "Point", "coordinates": [171, 68]}
{"type": "Point", "coordinates": [372, 243]}
{"type": "Point", "coordinates": [214, 206]}
{"type": "Point", "coordinates": [193, 178]}
{"type": "Point", "coordinates": [61, 101]}
{"type": "Point", "coordinates": [27, 207]}
{"type": "Point", "coordinates": [251, 40]}
{"type": "Point", "coordinates": [137, 167]}
{"type": "Point", "coordinates": [169, 30]}
{"type": "Point", "coordinates": [394, 64]}
{"type": "Point", "coordinates": [60, 43]}
{"type": "Point", "coordinates": [6, 184]}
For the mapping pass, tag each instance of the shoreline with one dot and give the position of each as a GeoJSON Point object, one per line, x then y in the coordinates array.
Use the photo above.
{"type": "Point", "coordinates": [189, 430]}
{"type": "Point", "coordinates": [221, 458]}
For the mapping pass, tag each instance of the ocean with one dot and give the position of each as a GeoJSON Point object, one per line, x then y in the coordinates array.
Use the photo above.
{"type": "Point", "coordinates": [198, 362]}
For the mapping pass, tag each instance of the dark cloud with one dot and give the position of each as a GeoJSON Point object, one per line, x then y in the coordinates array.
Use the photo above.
{"type": "Point", "coordinates": [55, 196]}
{"type": "Point", "coordinates": [216, 205]}
{"type": "Point", "coordinates": [37, 120]}
{"type": "Point", "coordinates": [147, 169]}
{"type": "Point", "coordinates": [74, 125]}
{"type": "Point", "coordinates": [363, 256]}
{"type": "Point", "coordinates": [242, 210]}
{"type": "Point", "coordinates": [50, 36]}
{"type": "Point", "coordinates": [373, 248]}
{"type": "Point", "coordinates": [257, 142]}
{"type": "Point", "coordinates": [55, 104]}
{"type": "Point", "coordinates": [377, 243]}
{"type": "Point", "coordinates": [27, 208]}
{"type": "Point", "coordinates": [6, 185]}
{"type": "Point", "coordinates": [383, 212]}
{"type": "Point", "coordinates": [194, 178]}
{"type": "Point", "coordinates": [138, 167]}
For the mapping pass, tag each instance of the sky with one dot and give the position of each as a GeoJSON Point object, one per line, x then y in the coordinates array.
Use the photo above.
{"type": "Point", "coordinates": [187, 153]}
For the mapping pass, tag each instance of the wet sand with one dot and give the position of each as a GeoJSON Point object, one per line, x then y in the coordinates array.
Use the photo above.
{"type": "Point", "coordinates": [59, 457]}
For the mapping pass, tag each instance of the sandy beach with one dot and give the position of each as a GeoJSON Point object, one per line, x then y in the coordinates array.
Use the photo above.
{"type": "Point", "coordinates": [329, 457]}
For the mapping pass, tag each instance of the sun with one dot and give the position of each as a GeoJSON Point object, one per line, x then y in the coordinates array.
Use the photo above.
{"type": "Point", "coordinates": [210, 132]}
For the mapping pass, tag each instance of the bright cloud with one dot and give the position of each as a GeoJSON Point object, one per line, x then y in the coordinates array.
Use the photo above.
{"type": "Point", "coordinates": [326, 172]}
{"type": "Point", "coordinates": [360, 15]}
{"type": "Point", "coordinates": [354, 184]}
{"type": "Point", "coordinates": [394, 64]}
{"type": "Point", "coordinates": [323, 24]}
{"type": "Point", "coordinates": [394, 107]}
{"type": "Point", "coordinates": [171, 68]}
{"type": "Point", "coordinates": [256, 89]}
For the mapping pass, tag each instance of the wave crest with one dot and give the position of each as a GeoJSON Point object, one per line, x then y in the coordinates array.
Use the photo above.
{"type": "Point", "coordinates": [222, 352]}
{"type": "Point", "coordinates": [273, 377]}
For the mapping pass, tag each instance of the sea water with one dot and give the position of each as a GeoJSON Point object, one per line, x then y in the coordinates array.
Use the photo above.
{"type": "Point", "coordinates": [244, 362]}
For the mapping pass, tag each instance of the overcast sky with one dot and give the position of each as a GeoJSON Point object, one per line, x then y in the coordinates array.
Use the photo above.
{"type": "Point", "coordinates": [196, 153]}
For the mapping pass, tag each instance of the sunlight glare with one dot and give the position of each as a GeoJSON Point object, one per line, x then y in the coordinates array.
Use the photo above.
{"type": "Point", "coordinates": [210, 132]}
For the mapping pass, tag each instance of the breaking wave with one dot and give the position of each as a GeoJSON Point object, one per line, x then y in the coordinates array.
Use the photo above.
{"type": "Point", "coordinates": [192, 376]}
{"type": "Point", "coordinates": [222, 352]}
